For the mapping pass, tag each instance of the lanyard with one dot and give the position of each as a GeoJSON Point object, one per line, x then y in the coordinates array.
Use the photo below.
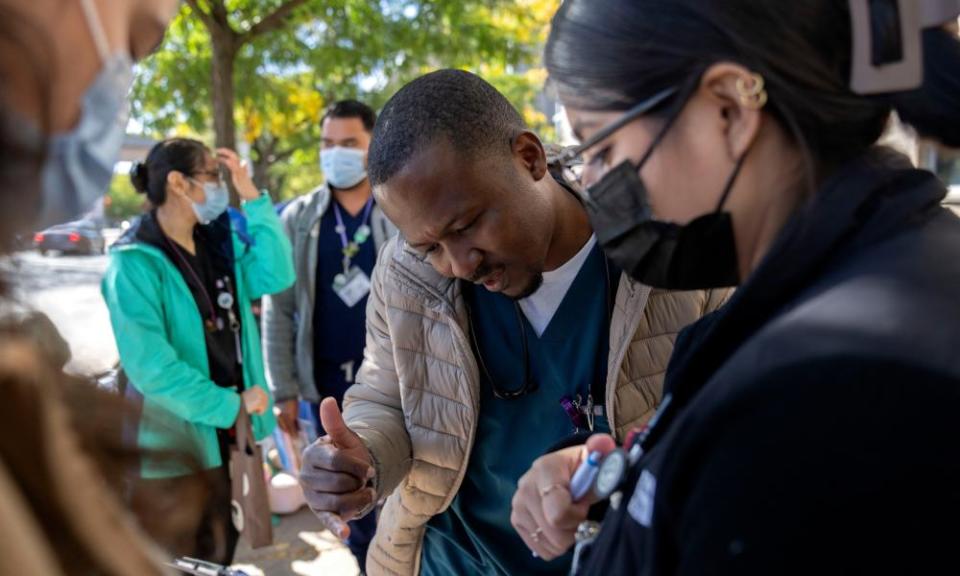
{"type": "Point", "coordinates": [225, 300]}
{"type": "Point", "coordinates": [351, 248]}
{"type": "Point", "coordinates": [211, 321]}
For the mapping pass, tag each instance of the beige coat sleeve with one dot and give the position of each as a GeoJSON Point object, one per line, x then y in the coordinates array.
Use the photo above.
{"type": "Point", "coordinates": [372, 406]}
{"type": "Point", "coordinates": [716, 298]}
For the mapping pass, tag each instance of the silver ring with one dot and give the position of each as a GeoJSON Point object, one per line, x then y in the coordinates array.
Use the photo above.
{"type": "Point", "coordinates": [544, 492]}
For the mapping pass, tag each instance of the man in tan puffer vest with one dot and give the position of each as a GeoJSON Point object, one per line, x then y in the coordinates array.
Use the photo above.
{"type": "Point", "coordinates": [495, 329]}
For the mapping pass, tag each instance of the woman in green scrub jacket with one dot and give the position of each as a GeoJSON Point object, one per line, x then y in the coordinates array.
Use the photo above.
{"type": "Point", "coordinates": [179, 288]}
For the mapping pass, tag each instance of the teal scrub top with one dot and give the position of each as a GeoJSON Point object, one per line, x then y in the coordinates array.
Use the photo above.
{"type": "Point", "coordinates": [474, 536]}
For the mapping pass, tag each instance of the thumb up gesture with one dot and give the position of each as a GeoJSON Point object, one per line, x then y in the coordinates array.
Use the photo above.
{"type": "Point", "coordinates": [335, 472]}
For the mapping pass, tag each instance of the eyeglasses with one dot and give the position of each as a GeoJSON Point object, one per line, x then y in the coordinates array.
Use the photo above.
{"type": "Point", "coordinates": [213, 177]}
{"type": "Point", "coordinates": [571, 159]}
{"type": "Point", "coordinates": [214, 174]}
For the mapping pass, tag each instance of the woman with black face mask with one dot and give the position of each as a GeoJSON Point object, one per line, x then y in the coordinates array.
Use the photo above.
{"type": "Point", "coordinates": [810, 426]}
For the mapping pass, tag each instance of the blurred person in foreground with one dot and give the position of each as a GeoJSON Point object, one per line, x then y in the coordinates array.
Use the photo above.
{"type": "Point", "coordinates": [179, 288]}
{"type": "Point", "coordinates": [63, 83]}
{"type": "Point", "coordinates": [810, 426]}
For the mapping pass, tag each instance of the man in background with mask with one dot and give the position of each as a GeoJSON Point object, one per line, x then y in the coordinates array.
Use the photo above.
{"type": "Point", "coordinates": [314, 332]}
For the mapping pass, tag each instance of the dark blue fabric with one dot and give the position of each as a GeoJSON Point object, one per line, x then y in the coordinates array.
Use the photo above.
{"type": "Point", "coordinates": [362, 532]}
{"type": "Point", "coordinates": [339, 332]}
{"type": "Point", "coordinates": [474, 535]}
{"type": "Point", "coordinates": [239, 222]}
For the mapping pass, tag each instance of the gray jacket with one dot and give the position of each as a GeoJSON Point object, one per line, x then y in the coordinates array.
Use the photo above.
{"type": "Point", "coordinates": [288, 316]}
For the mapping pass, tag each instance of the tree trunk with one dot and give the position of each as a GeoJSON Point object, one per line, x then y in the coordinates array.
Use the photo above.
{"type": "Point", "coordinates": [263, 158]}
{"type": "Point", "coordinates": [226, 43]}
{"type": "Point", "coordinates": [224, 124]}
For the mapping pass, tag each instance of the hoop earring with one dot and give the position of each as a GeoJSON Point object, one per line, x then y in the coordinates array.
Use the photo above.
{"type": "Point", "coordinates": [753, 95]}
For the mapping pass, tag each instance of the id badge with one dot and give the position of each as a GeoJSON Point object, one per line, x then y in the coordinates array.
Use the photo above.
{"type": "Point", "coordinates": [352, 287]}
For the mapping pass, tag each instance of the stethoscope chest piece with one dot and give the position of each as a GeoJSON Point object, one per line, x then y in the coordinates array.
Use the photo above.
{"type": "Point", "coordinates": [612, 471]}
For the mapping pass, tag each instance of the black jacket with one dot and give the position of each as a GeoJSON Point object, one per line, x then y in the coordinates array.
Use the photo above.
{"type": "Point", "coordinates": [813, 425]}
{"type": "Point", "coordinates": [213, 261]}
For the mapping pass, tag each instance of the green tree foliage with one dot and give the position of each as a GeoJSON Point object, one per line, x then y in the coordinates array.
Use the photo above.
{"type": "Point", "coordinates": [123, 201]}
{"type": "Point", "coordinates": [287, 59]}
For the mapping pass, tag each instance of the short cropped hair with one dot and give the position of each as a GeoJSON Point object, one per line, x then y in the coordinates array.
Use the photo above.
{"type": "Point", "coordinates": [457, 106]}
{"type": "Point", "coordinates": [352, 109]}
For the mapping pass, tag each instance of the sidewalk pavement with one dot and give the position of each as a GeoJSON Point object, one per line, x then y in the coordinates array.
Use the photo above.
{"type": "Point", "coordinates": [301, 548]}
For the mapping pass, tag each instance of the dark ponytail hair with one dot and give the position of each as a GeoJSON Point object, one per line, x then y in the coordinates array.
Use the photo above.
{"type": "Point", "coordinates": [611, 54]}
{"type": "Point", "coordinates": [175, 155]}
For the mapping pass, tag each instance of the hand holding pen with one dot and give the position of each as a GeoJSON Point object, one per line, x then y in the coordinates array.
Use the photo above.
{"type": "Point", "coordinates": [546, 510]}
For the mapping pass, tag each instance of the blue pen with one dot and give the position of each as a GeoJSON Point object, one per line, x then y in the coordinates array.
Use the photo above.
{"type": "Point", "coordinates": [584, 476]}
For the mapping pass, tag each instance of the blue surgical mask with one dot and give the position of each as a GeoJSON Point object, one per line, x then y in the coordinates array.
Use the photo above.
{"type": "Point", "coordinates": [79, 166]}
{"type": "Point", "coordinates": [217, 198]}
{"type": "Point", "coordinates": [343, 168]}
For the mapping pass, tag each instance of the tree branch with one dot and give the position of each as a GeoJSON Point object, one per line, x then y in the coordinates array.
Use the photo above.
{"type": "Point", "coordinates": [264, 146]}
{"type": "Point", "coordinates": [204, 16]}
{"type": "Point", "coordinates": [219, 11]}
{"type": "Point", "coordinates": [281, 156]}
{"type": "Point", "coordinates": [273, 21]}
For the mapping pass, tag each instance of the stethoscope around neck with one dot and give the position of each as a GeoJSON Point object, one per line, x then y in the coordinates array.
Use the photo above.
{"type": "Point", "coordinates": [530, 385]}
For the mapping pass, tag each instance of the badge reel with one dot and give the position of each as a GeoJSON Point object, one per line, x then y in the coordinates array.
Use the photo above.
{"type": "Point", "coordinates": [352, 286]}
{"type": "Point", "coordinates": [225, 301]}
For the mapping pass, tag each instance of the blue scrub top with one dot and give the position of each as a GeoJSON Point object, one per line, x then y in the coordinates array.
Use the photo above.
{"type": "Point", "coordinates": [339, 332]}
{"type": "Point", "coordinates": [474, 536]}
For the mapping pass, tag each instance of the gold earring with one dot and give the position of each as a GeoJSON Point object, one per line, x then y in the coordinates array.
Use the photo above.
{"type": "Point", "coordinates": [752, 95]}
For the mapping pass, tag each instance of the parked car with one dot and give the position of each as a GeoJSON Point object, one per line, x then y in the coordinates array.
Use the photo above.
{"type": "Point", "coordinates": [81, 237]}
